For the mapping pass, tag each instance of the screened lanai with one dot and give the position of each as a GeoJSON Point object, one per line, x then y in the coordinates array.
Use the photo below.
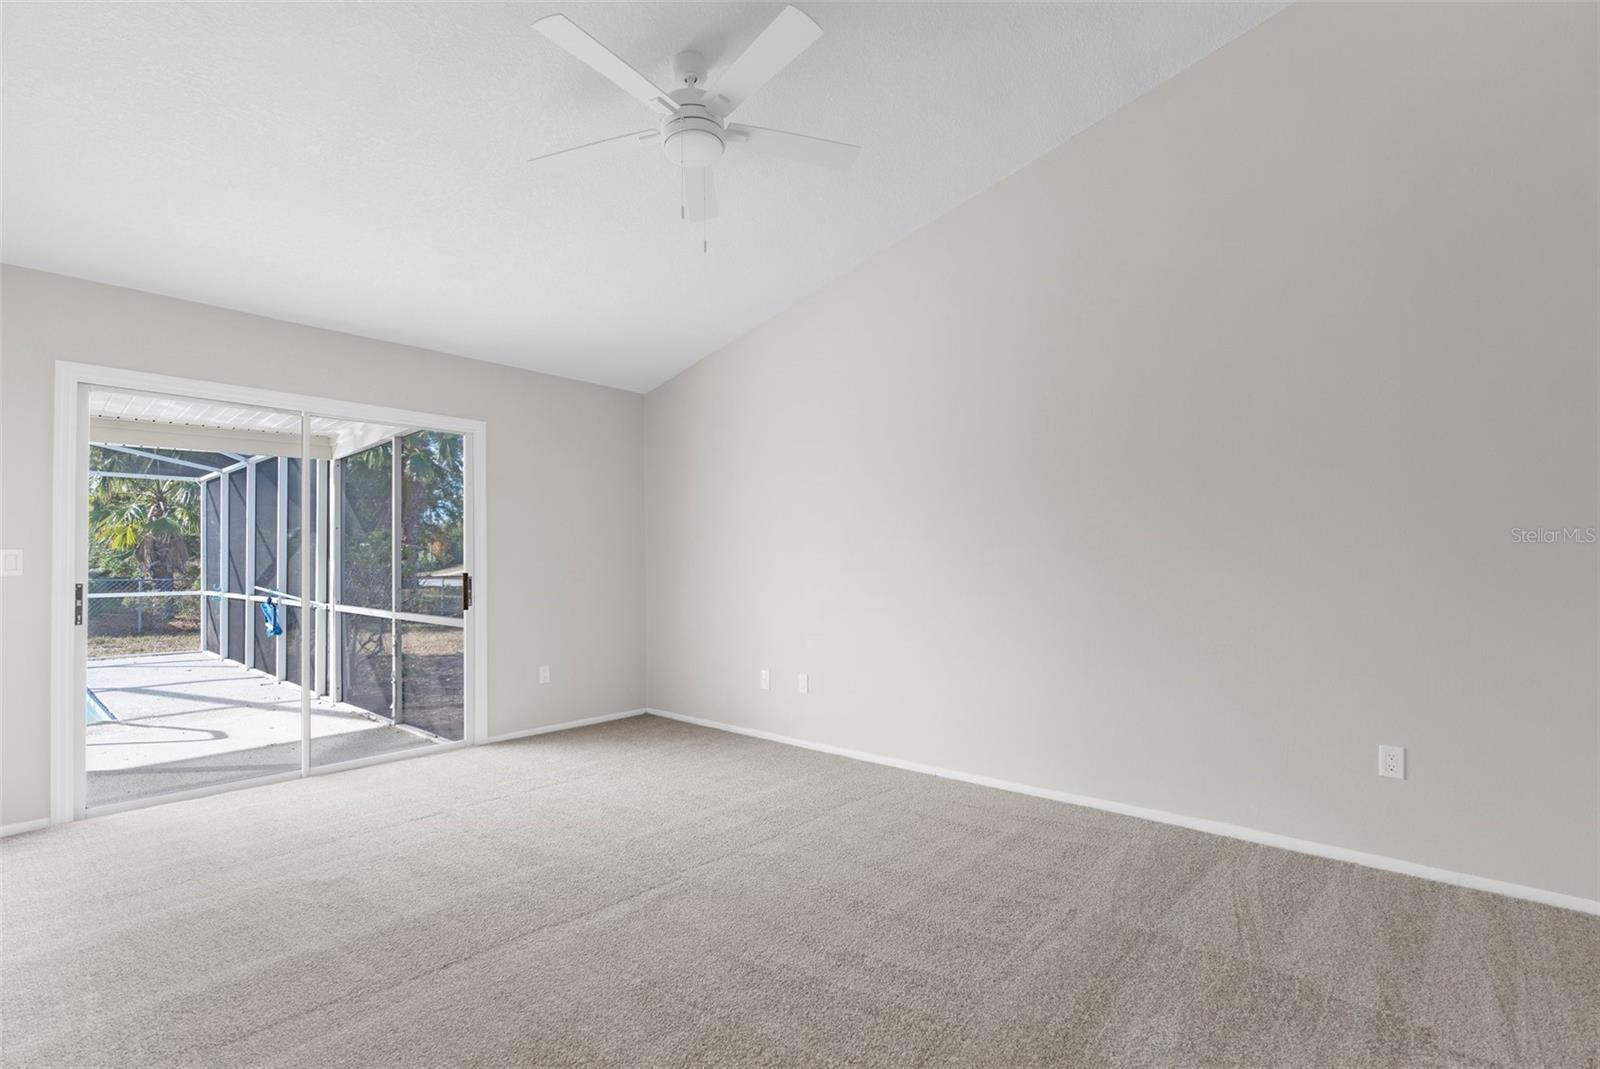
{"type": "Point", "coordinates": [217, 533]}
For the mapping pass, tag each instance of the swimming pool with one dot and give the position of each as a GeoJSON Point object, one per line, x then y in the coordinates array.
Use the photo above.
{"type": "Point", "coordinates": [95, 711]}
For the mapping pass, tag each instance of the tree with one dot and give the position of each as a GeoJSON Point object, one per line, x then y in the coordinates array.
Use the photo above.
{"type": "Point", "coordinates": [432, 476]}
{"type": "Point", "coordinates": [365, 564]}
{"type": "Point", "coordinates": [432, 504]}
{"type": "Point", "coordinates": [151, 527]}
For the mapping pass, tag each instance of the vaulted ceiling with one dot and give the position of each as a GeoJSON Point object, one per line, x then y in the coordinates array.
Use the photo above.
{"type": "Point", "coordinates": [362, 166]}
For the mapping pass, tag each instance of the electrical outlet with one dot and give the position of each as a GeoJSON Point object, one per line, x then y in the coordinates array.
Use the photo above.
{"type": "Point", "coordinates": [1392, 761]}
{"type": "Point", "coordinates": [544, 673]}
{"type": "Point", "coordinates": [805, 683]}
{"type": "Point", "coordinates": [766, 679]}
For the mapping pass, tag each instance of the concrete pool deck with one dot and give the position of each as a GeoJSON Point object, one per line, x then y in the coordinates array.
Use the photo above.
{"type": "Point", "coordinates": [188, 720]}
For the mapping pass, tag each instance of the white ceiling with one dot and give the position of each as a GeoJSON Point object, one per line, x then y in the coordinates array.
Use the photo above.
{"type": "Point", "coordinates": [360, 166]}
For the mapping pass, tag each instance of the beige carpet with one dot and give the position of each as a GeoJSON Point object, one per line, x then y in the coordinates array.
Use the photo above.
{"type": "Point", "coordinates": [644, 893]}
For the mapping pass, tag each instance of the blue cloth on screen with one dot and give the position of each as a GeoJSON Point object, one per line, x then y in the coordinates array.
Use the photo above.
{"type": "Point", "coordinates": [269, 618]}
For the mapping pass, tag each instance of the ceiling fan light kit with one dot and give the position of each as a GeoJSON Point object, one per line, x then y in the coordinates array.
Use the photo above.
{"type": "Point", "coordinates": [693, 124]}
{"type": "Point", "coordinates": [693, 137]}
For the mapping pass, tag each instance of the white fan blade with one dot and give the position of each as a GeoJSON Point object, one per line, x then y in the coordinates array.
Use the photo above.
{"type": "Point", "coordinates": [637, 136]}
{"type": "Point", "coordinates": [788, 35]}
{"type": "Point", "coordinates": [564, 32]}
{"type": "Point", "coordinates": [806, 149]}
{"type": "Point", "coordinates": [699, 195]}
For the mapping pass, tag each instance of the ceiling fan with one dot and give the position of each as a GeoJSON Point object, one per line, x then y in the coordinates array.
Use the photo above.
{"type": "Point", "coordinates": [692, 126]}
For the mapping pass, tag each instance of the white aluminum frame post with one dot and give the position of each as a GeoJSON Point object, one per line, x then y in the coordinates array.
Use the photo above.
{"type": "Point", "coordinates": [280, 551]}
{"type": "Point", "coordinates": [224, 492]}
{"type": "Point", "coordinates": [318, 598]}
{"type": "Point", "coordinates": [396, 514]}
{"type": "Point", "coordinates": [249, 583]}
{"type": "Point", "coordinates": [335, 570]}
{"type": "Point", "coordinates": [204, 546]}
{"type": "Point", "coordinates": [324, 682]}
{"type": "Point", "coordinates": [305, 591]}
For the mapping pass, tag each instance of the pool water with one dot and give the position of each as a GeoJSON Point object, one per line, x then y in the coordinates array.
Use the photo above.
{"type": "Point", "coordinates": [95, 711]}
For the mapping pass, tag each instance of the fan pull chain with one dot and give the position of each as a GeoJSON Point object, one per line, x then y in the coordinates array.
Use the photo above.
{"type": "Point", "coordinates": [683, 203]}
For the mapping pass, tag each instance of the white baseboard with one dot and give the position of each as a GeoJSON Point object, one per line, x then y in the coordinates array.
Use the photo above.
{"type": "Point", "coordinates": [24, 825]}
{"type": "Point", "coordinates": [568, 725]}
{"type": "Point", "coordinates": [1214, 827]}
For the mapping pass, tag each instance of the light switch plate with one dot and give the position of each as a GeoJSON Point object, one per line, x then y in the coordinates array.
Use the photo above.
{"type": "Point", "coordinates": [805, 683]}
{"type": "Point", "coordinates": [544, 673]}
{"type": "Point", "coordinates": [10, 562]}
{"type": "Point", "coordinates": [766, 679]}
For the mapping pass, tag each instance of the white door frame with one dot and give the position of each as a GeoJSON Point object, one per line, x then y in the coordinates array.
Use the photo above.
{"type": "Point", "coordinates": [69, 526]}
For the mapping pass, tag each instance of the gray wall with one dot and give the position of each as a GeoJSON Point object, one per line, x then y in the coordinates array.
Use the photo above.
{"type": "Point", "coordinates": [565, 543]}
{"type": "Point", "coordinates": [1180, 469]}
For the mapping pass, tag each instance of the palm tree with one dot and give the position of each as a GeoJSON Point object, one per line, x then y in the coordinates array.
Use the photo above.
{"type": "Point", "coordinates": [432, 470]}
{"type": "Point", "coordinates": [365, 521]}
{"type": "Point", "coordinates": [431, 500]}
{"type": "Point", "coordinates": [155, 523]}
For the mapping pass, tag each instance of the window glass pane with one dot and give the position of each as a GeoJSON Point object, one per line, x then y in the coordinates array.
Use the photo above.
{"type": "Point", "coordinates": [366, 670]}
{"type": "Point", "coordinates": [266, 533]}
{"type": "Point", "coordinates": [291, 646]}
{"type": "Point", "coordinates": [237, 630]}
{"type": "Point", "coordinates": [213, 624]}
{"type": "Point", "coordinates": [431, 508]}
{"type": "Point", "coordinates": [431, 678]}
{"type": "Point", "coordinates": [308, 528]}
{"type": "Point", "coordinates": [146, 460]}
{"type": "Point", "coordinates": [211, 496]}
{"type": "Point", "coordinates": [302, 525]}
{"type": "Point", "coordinates": [213, 515]}
{"type": "Point", "coordinates": [142, 460]}
{"type": "Point", "coordinates": [365, 566]}
{"type": "Point", "coordinates": [291, 564]}
{"type": "Point", "coordinates": [236, 531]}
{"type": "Point", "coordinates": [138, 624]}
{"type": "Point", "coordinates": [266, 645]}
{"type": "Point", "coordinates": [171, 718]}
{"type": "Point", "coordinates": [358, 725]}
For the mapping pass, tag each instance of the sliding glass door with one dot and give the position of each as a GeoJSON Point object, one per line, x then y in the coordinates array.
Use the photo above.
{"type": "Point", "coordinates": [397, 628]}
{"type": "Point", "coordinates": [184, 683]}
{"type": "Point", "coordinates": [432, 582]}
{"type": "Point", "coordinates": [267, 598]}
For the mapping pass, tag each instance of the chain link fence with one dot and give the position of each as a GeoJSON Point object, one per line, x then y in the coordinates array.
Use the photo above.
{"type": "Point", "coordinates": [130, 616]}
